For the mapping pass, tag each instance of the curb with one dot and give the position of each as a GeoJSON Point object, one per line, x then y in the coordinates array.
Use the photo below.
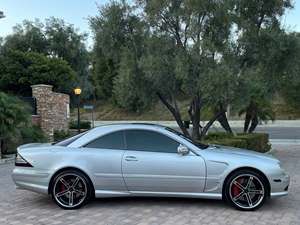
{"type": "Point", "coordinates": [285, 141]}
{"type": "Point", "coordinates": [7, 160]}
{"type": "Point", "coordinates": [270, 151]}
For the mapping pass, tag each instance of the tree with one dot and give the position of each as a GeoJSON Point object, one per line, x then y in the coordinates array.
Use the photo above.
{"type": "Point", "coordinates": [289, 83]}
{"type": "Point", "coordinates": [27, 37]}
{"type": "Point", "coordinates": [110, 36]}
{"type": "Point", "coordinates": [67, 43]}
{"type": "Point", "coordinates": [116, 29]}
{"type": "Point", "coordinates": [129, 82]}
{"type": "Point", "coordinates": [20, 70]}
{"type": "Point", "coordinates": [55, 39]}
{"type": "Point", "coordinates": [213, 53]}
{"type": "Point", "coordinates": [255, 49]}
{"type": "Point", "coordinates": [199, 30]}
{"type": "Point", "coordinates": [13, 116]}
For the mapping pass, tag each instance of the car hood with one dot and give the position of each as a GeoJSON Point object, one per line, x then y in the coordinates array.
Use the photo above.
{"type": "Point", "coordinates": [242, 152]}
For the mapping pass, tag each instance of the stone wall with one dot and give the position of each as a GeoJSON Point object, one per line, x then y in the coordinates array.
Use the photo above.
{"type": "Point", "coordinates": [52, 109]}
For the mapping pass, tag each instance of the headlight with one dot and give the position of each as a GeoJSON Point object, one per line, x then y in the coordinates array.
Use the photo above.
{"type": "Point", "coordinates": [20, 161]}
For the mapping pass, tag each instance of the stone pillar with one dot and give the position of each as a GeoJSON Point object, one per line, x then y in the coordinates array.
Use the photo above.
{"type": "Point", "coordinates": [52, 109]}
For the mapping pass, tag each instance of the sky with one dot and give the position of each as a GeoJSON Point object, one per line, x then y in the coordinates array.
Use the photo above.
{"type": "Point", "coordinates": [77, 12]}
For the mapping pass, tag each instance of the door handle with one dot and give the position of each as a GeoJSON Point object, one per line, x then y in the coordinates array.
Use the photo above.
{"type": "Point", "coordinates": [131, 158]}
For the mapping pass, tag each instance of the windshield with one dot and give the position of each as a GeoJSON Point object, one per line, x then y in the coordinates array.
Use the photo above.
{"type": "Point", "coordinates": [69, 140]}
{"type": "Point", "coordinates": [198, 144]}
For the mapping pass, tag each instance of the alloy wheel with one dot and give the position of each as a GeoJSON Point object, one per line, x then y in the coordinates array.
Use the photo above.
{"type": "Point", "coordinates": [70, 190]}
{"type": "Point", "coordinates": [246, 191]}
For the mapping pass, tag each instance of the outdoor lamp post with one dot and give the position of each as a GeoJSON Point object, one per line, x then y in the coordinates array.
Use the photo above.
{"type": "Point", "coordinates": [77, 92]}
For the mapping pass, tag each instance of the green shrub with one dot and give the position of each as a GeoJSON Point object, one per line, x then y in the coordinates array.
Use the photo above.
{"type": "Point", "coordinates": [254, 141]}
{"type": "Point", "coordinates": [33, 134]}
{"type": "Point", "coordinates": [25, 135]}
{"type": "Point", "coordinates": [237, 143]}
{"type": "Point", "coordinates": [60, 135]}
{"type": "Point", "coordinates": [217, 135]}
{"type": "Point", "coordinates": [83, 124]}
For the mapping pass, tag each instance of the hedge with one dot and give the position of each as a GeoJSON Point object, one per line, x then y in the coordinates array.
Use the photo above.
{"type": "Point", "coordinates": [26, 135]}
{"type": "Point", "coordinates": [255, 141]}
{"type": "Point", "coordinates": [83, 124]}
{"type": "Point", "coordinates": [61, 135]}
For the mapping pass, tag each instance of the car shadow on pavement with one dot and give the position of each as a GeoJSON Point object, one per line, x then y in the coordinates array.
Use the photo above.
{"type": "Point", "coordinates": [161, 203]}
{"type": "Point", "coordinates": [157, 201]}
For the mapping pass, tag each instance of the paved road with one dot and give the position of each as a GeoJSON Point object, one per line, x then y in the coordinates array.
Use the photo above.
{"type": "Point", "coordinates": [23, 207]}
{"type": "Point", "coordinates": [274, 132]}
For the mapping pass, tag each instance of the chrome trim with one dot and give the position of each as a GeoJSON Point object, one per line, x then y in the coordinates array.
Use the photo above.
{"type": "Point", "coordinates": [279, 194]}
{"type": "Point", "coordinates": [178, 194]}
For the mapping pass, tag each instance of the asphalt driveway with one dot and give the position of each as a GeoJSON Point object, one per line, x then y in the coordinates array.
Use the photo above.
{"type": "Point", "coordinates": [23, 207]}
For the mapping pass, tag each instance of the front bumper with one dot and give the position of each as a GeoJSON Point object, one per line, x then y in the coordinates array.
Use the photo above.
{"type": "Point", "coordinates": [280, 185]}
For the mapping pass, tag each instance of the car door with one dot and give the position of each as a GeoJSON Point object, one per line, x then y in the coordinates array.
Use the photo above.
{"type": "Point", "coordinates": [105, 157]}
{"type": "Point", "coordinates": [151, 164]}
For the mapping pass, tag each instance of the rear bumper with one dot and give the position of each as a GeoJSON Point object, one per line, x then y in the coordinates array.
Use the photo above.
{"type": "Point", "coordinates": [31, 179]}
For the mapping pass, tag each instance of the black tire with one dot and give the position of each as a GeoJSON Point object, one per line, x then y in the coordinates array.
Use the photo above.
{"type": "Point", "coordinates": [71, 189]}
{"type": "Point", "coordinates": [246, 194]}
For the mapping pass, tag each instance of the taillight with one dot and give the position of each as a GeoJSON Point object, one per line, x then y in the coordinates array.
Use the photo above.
{"type": "Point", "coordinates": [20, 161]}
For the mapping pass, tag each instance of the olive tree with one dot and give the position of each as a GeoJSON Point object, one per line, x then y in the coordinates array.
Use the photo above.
{"type": "Point", "coordinates": [261, 52]}
{"type": "Point", "coordinates": [198, 32]}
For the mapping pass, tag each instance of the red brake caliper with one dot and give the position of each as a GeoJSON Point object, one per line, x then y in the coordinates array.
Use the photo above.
{"type": "Point", "coordinates": [62, 187]}
{"type": "Point", "coordinates": [235, 189]}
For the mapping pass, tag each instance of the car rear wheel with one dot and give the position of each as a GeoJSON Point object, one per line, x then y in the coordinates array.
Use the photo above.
{"type": "Point", "coordinates": [246, 190]}
{"type": "Point", "coordinates": [71, 189]}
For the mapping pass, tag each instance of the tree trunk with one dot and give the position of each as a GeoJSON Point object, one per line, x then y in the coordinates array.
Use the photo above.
{"type": "Point", "coordinates": [175, 112]}
{"type": "Point", "coordinates": [1, 147]}
{"type": "Point", "coordinates": [194, 113]}
{"type": "Point", "coordinates": [251, 117]}
{"type": "Point", "coordinates": [254, 124]}
{"type": "Point", "coordinates": [210, 123]}
{"type": "Point", "coordinates": [222, 119]}
{"type": "Point", "coordinates": [247, 121]}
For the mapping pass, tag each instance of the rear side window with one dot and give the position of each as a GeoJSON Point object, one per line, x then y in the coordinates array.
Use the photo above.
{"type": "Point", "coordinates": [70, 140]}
{"type": "Point", "coordinates": [113, 140]}
{"type": "Point", "coordinates": [143, 140]}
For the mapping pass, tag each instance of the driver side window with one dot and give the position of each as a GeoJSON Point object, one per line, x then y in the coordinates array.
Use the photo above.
{"type": "Point", "coordinates": [144, 140]}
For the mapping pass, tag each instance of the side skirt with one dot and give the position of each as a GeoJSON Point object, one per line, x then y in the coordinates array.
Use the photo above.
{"type": "Point", "coordinates": [104, 193]}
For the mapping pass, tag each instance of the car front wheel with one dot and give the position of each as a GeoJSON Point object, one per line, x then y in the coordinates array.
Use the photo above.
{"type": "Point", "coordinates": [71, 189]}
{"type": "Point", "coordinates": [246, 190]}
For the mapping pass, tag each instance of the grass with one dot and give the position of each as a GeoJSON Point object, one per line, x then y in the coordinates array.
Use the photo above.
{"type": "Point", "coordinates": [108, 111]}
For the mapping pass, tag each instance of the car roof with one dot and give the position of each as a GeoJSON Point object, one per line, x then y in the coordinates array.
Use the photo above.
{"type": "Point", "coordinates": [108, 128]}
{"type": "Point", "coordinates": [121, 126]}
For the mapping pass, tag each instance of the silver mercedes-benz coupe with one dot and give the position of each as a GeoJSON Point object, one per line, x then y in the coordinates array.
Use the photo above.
{"type": "Point", "coordinates": [146, 160]}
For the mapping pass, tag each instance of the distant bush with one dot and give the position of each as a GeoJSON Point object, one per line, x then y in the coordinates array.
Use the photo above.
{"type": "Point", "coordinates": [83, 124]}
{"type": "Point", "coordinates": [255, 141]}
{"type": "Point", "coordinates": [217, 135]}
{"type": "Point", "coordinates": [26, 135]}
{"type": "Point", "coordinates": [60, 135]}
{"type": "Point", "coordinates": [33, 134]}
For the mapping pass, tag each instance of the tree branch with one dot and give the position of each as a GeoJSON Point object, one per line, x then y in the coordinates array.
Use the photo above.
{"type": "Point", "coordinates": [210, 123]}
{"type": "Point", "coordinates": [175, 112]}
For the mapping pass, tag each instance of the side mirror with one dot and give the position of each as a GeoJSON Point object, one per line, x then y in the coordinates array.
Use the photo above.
{"type": "Point", "coordinates": [183, 150]}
